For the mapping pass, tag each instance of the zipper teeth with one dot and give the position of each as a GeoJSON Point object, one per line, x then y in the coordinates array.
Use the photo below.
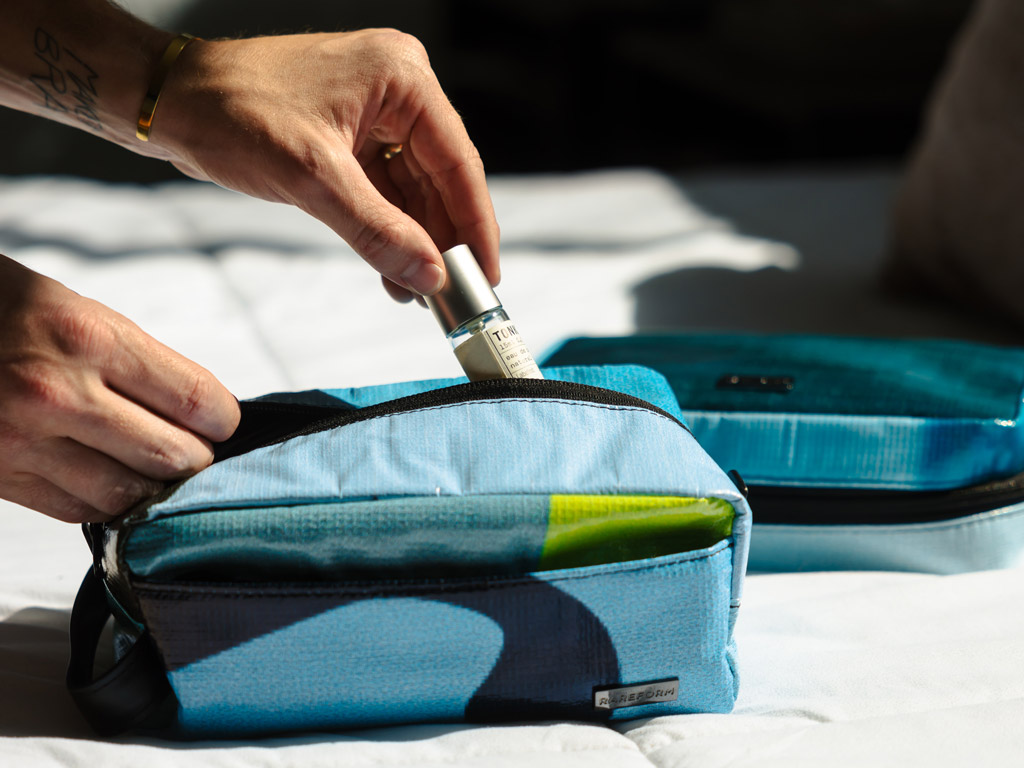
{"type": "Point", "coordinates": [491, 389]}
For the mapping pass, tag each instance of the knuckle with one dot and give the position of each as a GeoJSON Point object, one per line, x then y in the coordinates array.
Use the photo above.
{"type": "Point", "coordinates": [390, 49]}
{"type": "Point", "coordinates": [14, 444]}
{"type": "Point", "coordinates": [173, 459]}
{"type": "Point", "coordinates": [397, 40]}
{"type": "Point", "coordinates": [470, 166]}
{"type": "Point", "coordinates": [376, 238]}
{"type": "Point", "coordinates": [473, 158]}
{"type": "Point", "coordinates": [197, 395]}
{"type": "Point", "coordinates": [119, 497]}
{"type": "Point", "coordinates": [80, 330]}
{"type": "Point", "coordinates": [170, 459]}
{"type": "Point", "coordinates": [76, 512]}
{"type": "Point", "coordinates": [411, 48]}
{"type": "Point", "coordinates": [37, 386]}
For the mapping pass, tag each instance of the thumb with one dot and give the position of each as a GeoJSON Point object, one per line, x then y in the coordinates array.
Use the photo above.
{"type": "Point", "coordinates": [388, 240]}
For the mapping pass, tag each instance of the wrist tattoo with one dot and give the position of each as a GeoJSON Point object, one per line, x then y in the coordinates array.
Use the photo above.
{"type": "Point", "coordinates": [68, 84]}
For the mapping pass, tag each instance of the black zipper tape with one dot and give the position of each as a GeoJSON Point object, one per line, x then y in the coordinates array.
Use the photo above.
{"type": "Point", "coordinates": [266, 422]}
{"type": "Point", "coordinates": [778, 505]}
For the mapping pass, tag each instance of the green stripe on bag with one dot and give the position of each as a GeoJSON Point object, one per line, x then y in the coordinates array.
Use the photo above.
{"type": "Point", "coordinates": [589, 530]}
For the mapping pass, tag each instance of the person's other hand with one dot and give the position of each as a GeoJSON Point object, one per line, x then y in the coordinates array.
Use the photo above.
{"type": "Point", "coordinates": [94, 414]}
{"type": "Point", "coordinates": [304, 119]}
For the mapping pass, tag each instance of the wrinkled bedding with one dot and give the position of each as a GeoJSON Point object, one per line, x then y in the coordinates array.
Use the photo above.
{"type": "Point", "coordinates": [837, 669]}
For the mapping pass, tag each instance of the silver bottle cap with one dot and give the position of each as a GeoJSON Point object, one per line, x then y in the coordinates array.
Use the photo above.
{"type": "Point", "coordinates": [466, 292]}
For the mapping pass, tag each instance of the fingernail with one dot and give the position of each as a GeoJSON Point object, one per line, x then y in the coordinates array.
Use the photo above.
{"type": "Point", "coordinates": [424, 277]}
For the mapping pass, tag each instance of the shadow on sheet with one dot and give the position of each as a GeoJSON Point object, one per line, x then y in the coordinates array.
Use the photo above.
{"type": "Point", "coordinates": [33, 697]}
{"type": "Point", "coordinates": [837, 226]}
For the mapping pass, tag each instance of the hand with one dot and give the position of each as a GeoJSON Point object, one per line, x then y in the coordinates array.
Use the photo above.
{"type": "Point", "coordinates": [94, 414]}
{"type": "Point", "coordinates": [303, 119]}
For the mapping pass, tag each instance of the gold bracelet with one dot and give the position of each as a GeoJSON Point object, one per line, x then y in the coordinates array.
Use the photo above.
{"type": "Point", "coordinates": [174, 49]}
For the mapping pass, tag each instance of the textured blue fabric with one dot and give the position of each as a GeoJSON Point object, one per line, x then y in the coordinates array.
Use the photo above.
{"type": "Point", "coordinates": [862, 413]}
{"type": "Point", "coordinates": [664, 617]}
{"type": "Point", "coordinates": [928, 378]}
{"type": "Point", "coordinates": [598, 449]}
{"type": "Point", "coordinates": [368, 663]}
{"type": "Point", "coordinates": [839, 451]}
{"type": "Point", "coordinates": [458, 450]}
{"type": "Point", "coordinates": [676, 612]}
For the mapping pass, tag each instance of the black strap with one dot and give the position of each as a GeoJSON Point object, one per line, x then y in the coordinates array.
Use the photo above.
{"type": "Point", "coordinates": [133, 693]}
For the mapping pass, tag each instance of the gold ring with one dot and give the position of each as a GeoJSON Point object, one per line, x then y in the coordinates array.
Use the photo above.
{"type": "Point", "coordinates": [392, 150]}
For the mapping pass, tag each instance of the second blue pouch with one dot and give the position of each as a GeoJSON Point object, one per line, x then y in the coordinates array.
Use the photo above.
{"type": "Point", "coordinates": [901, 454]}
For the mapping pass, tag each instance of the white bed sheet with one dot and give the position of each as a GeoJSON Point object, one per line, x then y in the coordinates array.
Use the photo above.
{"type": "Point", "coordinates": [838, 669]}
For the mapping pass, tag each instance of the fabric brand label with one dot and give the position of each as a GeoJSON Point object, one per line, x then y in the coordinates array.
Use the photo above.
{"type": "Point", "coordinates": [654, 692]}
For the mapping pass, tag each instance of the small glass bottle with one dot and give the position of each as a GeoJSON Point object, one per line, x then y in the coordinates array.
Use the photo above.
{"type": "Point", "coordinates": [486, 343]}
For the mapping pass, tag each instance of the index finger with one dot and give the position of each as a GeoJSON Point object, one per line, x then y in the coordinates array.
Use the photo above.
{"type": "Point", "coordinates": [442, 148]}
{"type": "Point", "coordinates": [165, 382]}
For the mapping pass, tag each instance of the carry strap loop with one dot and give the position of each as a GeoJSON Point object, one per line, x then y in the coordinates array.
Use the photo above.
{"type": "Point", "coordinates": [132, 693]}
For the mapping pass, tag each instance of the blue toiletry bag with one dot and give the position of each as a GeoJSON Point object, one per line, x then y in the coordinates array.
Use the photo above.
{"type": "Point", "coordinates": [431, 551]}
{"type": "Point", "coordinates": [858, 453]}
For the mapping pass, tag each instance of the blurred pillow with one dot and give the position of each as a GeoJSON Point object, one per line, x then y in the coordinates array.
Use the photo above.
{"type": "Point", "coordinates": [958, 223]}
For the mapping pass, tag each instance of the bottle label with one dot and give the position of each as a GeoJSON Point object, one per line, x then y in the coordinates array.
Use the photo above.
{"type": "Point", "coordinates": [497, 352]}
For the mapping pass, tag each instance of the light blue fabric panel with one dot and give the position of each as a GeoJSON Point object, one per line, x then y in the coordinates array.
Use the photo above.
{"type": "Point", "coordinates": [669, 619]}
{"type": "Point", "coordinates": [634, 380]}
{"type": "Point", "coordinates": [987, 540]}
{"type": "Point", "coordinates": [588, 449]}
{"type": "Point", "coordinates": [558, 447]}
{"type": "Point", "coordinates": [895, 453]}
{"type": "Point", "coordinates": [368, 663]}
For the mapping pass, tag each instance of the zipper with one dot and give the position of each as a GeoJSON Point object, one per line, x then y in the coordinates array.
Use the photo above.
{"type": "Point", "coordinates": [267, 423]}
{"type": "Point", "coordinates": [778, 505]}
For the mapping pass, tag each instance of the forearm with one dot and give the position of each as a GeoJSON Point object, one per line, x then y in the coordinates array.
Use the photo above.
{"type": "Point", "coordinates": [85, 63]}
{"type": "Point", "coordinates": [300, 119]}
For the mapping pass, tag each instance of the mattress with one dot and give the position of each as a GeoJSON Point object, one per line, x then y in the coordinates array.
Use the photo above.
{"type": "Point", "coordinates": [838, 669]}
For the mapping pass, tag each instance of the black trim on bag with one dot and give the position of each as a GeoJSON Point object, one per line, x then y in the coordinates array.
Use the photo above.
{"type": "Point", "coordinates": [778, 505]}
{"type": "Point", "coordinates": [267, 422]}
{"type": "Point", "coordinates": [134, 694]}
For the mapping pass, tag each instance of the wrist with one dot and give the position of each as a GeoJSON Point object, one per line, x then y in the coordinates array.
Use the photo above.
{"type": "Point", "coordinates": [132, 96]}
{"type": "Point", "coordinates": [147, 112]}
{"type": "Point", "coordinates": [190, 90]}
{"type": "Point", "coordinates": [85, 63]}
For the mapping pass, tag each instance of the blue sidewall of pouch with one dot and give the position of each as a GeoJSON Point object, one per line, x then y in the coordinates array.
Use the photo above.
{"type": "Point", "coordinates": [516, 649]}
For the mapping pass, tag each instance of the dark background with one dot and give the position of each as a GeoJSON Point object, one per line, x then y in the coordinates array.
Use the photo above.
{"type": "Point", "coordinates": [560, 85]}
